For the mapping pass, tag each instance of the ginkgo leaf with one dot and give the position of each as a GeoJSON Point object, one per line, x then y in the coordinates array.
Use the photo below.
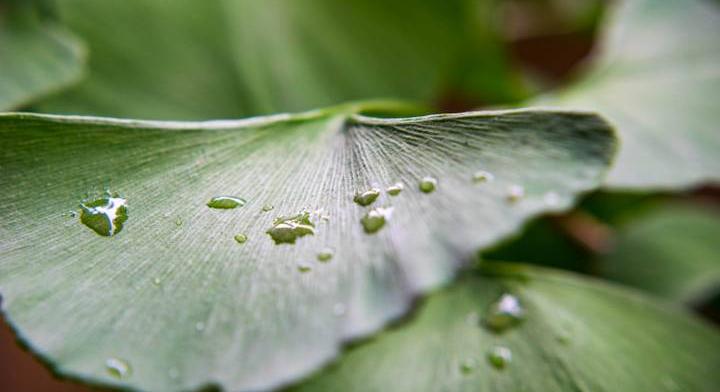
{"type": "Point", "coordinates": [573, 334]}
{"type": "Point", "coordinates": [657, 79]}
{"type": "Point", "coordinates": [37, 56]}
{"type": "Point", "coordinates": [671, 250]}
{"type": "Point", "coordinates": [191, 60]}
{"type": "Point", "coordinates": [233, 252]}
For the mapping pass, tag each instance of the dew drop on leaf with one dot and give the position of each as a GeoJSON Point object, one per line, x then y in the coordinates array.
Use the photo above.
{"type": "Point", "coordinates": [504, 313]}
{"type": "Point", "coordinates": [499, 357]}
{"type": "Point", "coordinates": [288, 230]}
{"type": "Point", "coordinates": [241, 238]}
{"type": "Point", "coordinates": [366, 198]}
{"type": "Point", "coordinates": [428, 185]}
{"type": "Point", "coordinates": [199, 326]}
{"type": "Point", "coordinates": [481, 176]}
{"type": "Point", "coordinates": [551, 199]}
{"type": "Point", "coordinates": [467, 366]}
{"type": "Point", "coordinates": [339, 309]}
{"type": "Point", "coordinates": [178, 222]}
{"type": "Point", "coordinates": [325, 255]}
{"type": "Point", "coordinates": [395, 189]}
{"type": "Point", "coordinates": [105, 215]}
{"type": "Point", "coordinates": [156, 281]}
{"type": "Point", "coordinates": [375, 219]}
{"type": "Point", "coordinates": [267, 207]}
{"type": "Point", "coordinates": [304, 266]}
{"type": "Point", "coordinates": [515, 193]}
{"type": "Point", "coordinates": [226, 202]}
{"type": "Point", "coordinates": [118, 368]}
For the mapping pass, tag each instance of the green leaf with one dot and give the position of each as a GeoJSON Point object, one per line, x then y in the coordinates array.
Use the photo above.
{"type": "Point", "coordinates": [37, 57]}
{"type": "Point", "coordinates": [176, 296]}
{"type": "Point", "coordinates": [657, 78]}
{"type": "Point", "coordinates": [578, 334]}
{"type": "Point", "coordinates": [672, 250]}
{"type": "Point", "coordinates": [224, 59]}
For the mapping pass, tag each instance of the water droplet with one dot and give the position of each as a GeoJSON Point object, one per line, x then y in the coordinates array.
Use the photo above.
{"type": "Point", "coordinates": [173, 373]}
{"type": "Point", "coordinates": [366, 198]}
{"type": "Point", "coordinates": [226, 202]}
{"type": "Point", "coordinates": [156, 281]}
{"type": "Point", "coordinates": [325, 255]}
{"type": "Point", "coordinates": [73, 214]}
{"type": "Point", "coordinates": [472, 318]}
{"type": "Point", "coordinates": [552, 199]}
{"type": "Point", "coordinates": [178, 222]}
{"type": "Point", "coordinates": [428, 185]}
{"type": "Point", "coordinates": [515, 193]}
{"type": "Point", "coordinates": [467, 366]}
{"type": "Point", "coordinates": [287, 230]}
{"type": "Point", "coordinates": [241, 238]}
{"type": "Point", "coordinates": [199, 326]}
{"type": "Point", "coordinates": [506, 312]}
{"type": "Point", "coordinates": [339, 309]}
{"type": "Point", "coordinates": [267, 207]}
{"type": "Point", "coordinates": [375, 219]}
{"type": "Point", "coordinates": [395, 189]}
{"type": "Point", "coordinates": [499, 357]}
{"type": "Point", "coordinates": [105, 215]}
{"type": "Point", "coordinates": [481, 176]}
{"type": "Point", "coordinates": [563, 337]}
{"type": "Point", "coordinates": [304, 266]}
{"type": "Point", "coordinates": [118, 368]}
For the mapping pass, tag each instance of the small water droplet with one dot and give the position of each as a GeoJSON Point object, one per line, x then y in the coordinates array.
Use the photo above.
{"type": "Point", "coordinates": [73, 214]}
{"type": "Point", "coordinates": [288, 230]}
{"type": "Point", "coordinates": [118, 368]}
{"type": "Point", "coordinates": [375, 219]}
{"type": "Point", "coordinates": [339, 309]}
{"type": "Point", "coordinates": [366, 198]}
{"type": "Point", "coordinates": [105, 215]}
{"type": "Point", "coordinates": [304, 266]}
{"type": "Point", "coordinates": [481, 176]}
{"type": "Point", "coordinates": [226, 202]}
{"type": "Point", "coordinates": [199, 326]}
{"type": "Point", "coordinates": [552, 199]}
{"type": "Point", "coordinates": [395, 189]}
{"type": "Point", "coordinates": [325, 255]}
{"type": "Point", "coordinates": [178, 222]}
{"type": "Point", "coordinates": [515, 193]}
{"type": "Point", "coordinates": [499, 357]}
{"type": "Point", "coordinates": [467, 366]}
{"type": "Point", "coordinates": [428, 185]}
{"type": "Point", "coordinates": [241, 238]}
{"type": "Point", "coordinates": [267, 207]}
{"type": "Point", "coordinates": [156, 281]}
{"type": "Point", "coordinates": [506, 312]}
{"type": "Point", "coordinates": [563, 337]}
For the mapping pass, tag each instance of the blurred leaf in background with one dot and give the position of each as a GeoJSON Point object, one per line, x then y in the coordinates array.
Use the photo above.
{"type": "Point", "coordinates": [575, 334]}
{"type": "Point", "coordinates": [186, 59]}
{"type": "Point", "coordinates": [37, 55]}
{"type": "Point", "coordinates": [657, 79]}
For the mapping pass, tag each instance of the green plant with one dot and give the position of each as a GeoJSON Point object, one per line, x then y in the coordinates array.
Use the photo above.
{"type": "Point", "coordinates": [242, 254]}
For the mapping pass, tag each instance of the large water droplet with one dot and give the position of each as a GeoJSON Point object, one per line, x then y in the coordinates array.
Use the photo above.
{"type": "Point", "coordinates": [366, 198]}
{"type": "Point", "coordinates": [506, 312]}
{"type": "Point", "coordinates": [499, 357]}
{"type": "Point", "coordinates": [226, 202]}
{"type": "Point", "coordinates": [325, 255]}
{"type": "Point", "coordinates": [395, 189]}
{"type": "Point", "coordinates": [288, 230]}
{"type": "Point", "coordinates": [481, 176]}
{"type": "Point", "coordinates": [428, 185]}
{"type": "Point", "coordinates": [375, 219]}
{"type": "Point", "coordinates": [105, 215]}
{"type": "Point", "coordinates": [241, 238]}
{"type": "Point", "coordinates": [118, 368]}
{"type": "Point", "coordinates": [515, 193]}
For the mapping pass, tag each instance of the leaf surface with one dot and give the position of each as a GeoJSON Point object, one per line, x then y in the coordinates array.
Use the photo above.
{"type": "Point", "coordinates": [577, 335]}
{"type": "Point", "coordinates": [657, 79]}
{"type": "Point", "coordinates": [37, 56]}
{"type": "Point", "coordinates": [189, 60]}
{"type": "Point", "coordinates": [175, 295]}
